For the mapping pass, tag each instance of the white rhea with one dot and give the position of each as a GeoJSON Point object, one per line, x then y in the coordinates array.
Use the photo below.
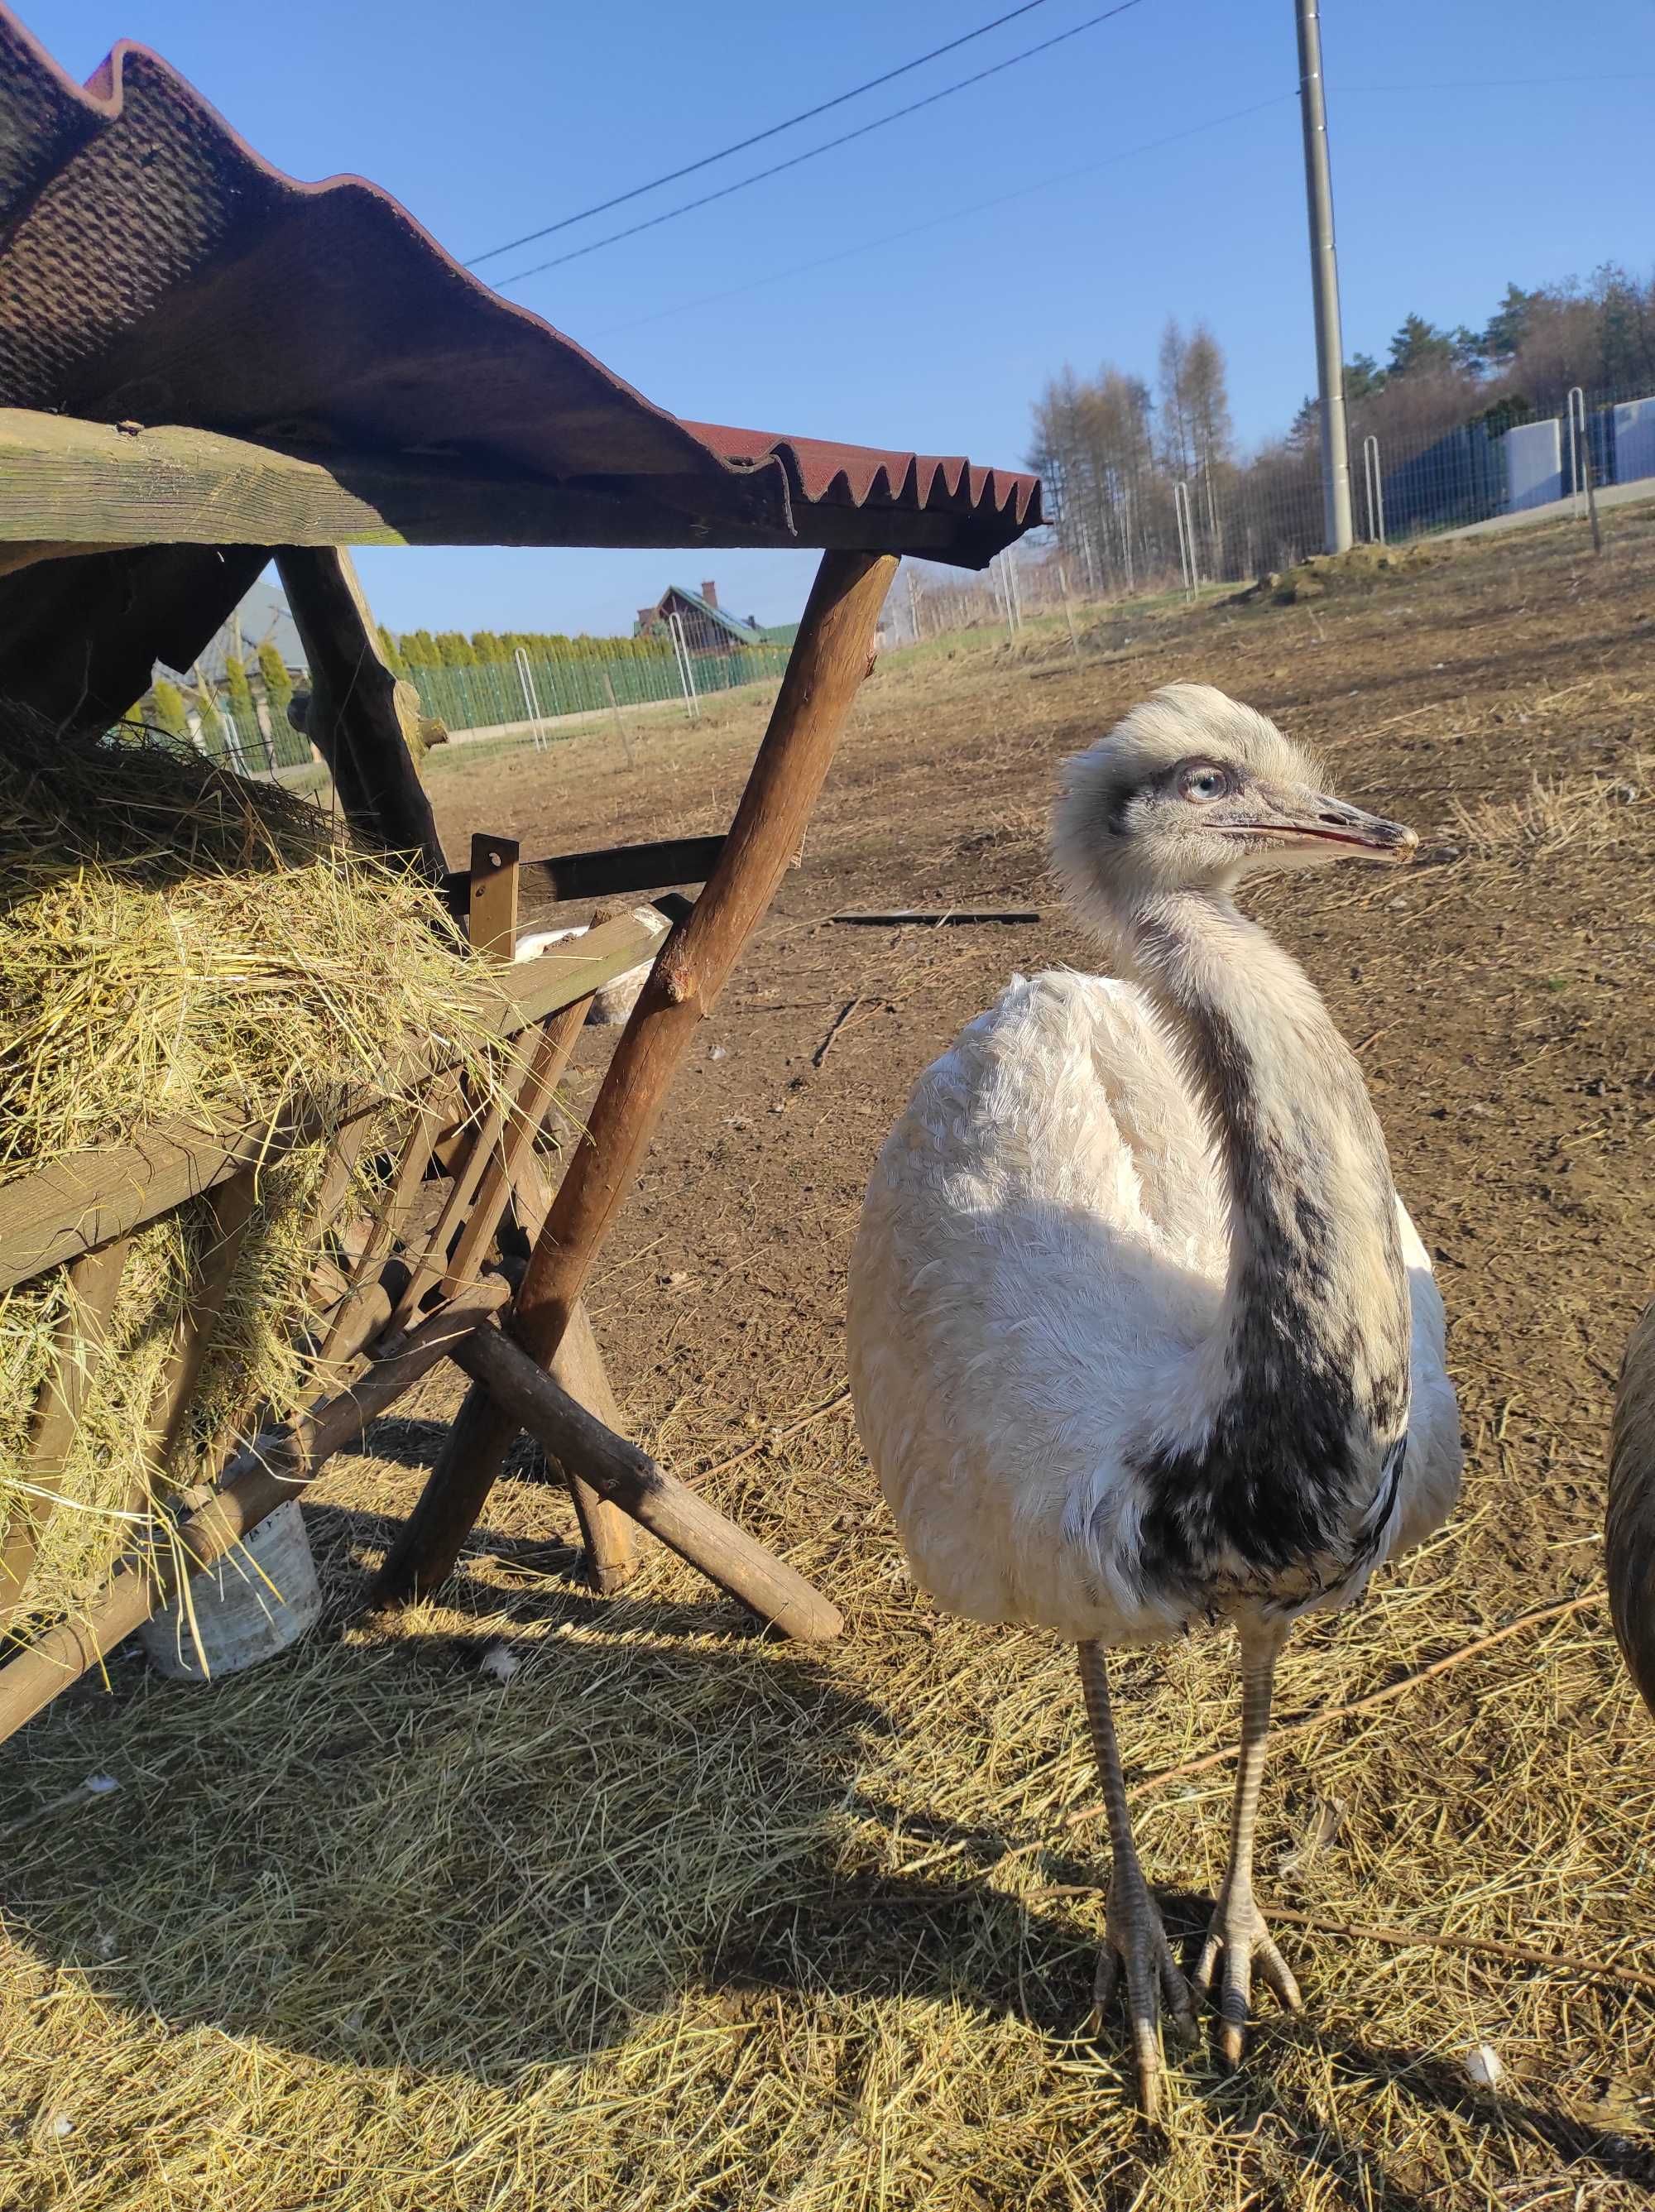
{"type": "Point", "coordinates": [1140, 1331]}
{"type": "Point", "coordinates": [1629, 1528]}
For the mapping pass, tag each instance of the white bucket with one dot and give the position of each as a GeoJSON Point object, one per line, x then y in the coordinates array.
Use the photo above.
{"type": "Point", "coordinates": [248, 1606]}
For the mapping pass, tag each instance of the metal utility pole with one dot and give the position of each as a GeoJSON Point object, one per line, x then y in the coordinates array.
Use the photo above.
{"type": "Point", "coordinates": [1324, 276]}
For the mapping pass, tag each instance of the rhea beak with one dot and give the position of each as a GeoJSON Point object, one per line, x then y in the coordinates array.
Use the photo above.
{"type": "Point", "coordinates": [1317, 826]}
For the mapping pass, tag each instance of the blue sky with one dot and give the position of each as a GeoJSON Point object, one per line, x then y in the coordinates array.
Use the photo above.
{"type": "Point", "coordinates": [937, 317]}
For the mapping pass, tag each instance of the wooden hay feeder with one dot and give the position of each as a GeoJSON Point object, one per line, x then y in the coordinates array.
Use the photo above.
{"type": "Point", "coordinates": [169, 423]}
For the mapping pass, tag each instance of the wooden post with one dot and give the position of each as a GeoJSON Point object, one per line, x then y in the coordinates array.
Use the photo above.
{"type": "Point", "coordinates": [361, 716]}
{"type": "Point", "coordinates": [629, 1478]}
{"type": "Point", "coordinates": [493, 897]}
{"type": "Point", "coordinates": [831, 654]}
{"type": "Point", "coordinates": [577, 1367]}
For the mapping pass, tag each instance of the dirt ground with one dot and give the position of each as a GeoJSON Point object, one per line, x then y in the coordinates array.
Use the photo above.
{"type": "Point", "coordinates": [677, 1916]}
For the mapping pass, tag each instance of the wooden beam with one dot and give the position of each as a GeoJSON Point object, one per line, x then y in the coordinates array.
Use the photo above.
{"type": "Point", "coordinates": [359, 711]}
{"type": "Point", "coordinates": [270, 1472]}
{"type": "Point", "coordinates": [69, 484]}
{"type": "Point", "coordinates": [629, 1478]}
{"type": "Point", "coordinates": [613, 872]}
{"type": "Point", "coordinates": [578, 1370]}
{"type": "Point", "coordinates": [831, 654]}
{"type": "Point", "coordinates": [59, 1212]}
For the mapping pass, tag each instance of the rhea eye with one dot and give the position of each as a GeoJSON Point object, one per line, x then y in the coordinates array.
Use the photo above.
{"type": "Point", "coordinates": [1204, 783]}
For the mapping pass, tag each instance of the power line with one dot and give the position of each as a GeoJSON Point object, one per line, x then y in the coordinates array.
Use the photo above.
{"type": "Point", "coordinates": [688, 207]}
{"type": "Point", "coordinates": [806, 115]}
{"type": "Point", "coordinates": [950, 214]}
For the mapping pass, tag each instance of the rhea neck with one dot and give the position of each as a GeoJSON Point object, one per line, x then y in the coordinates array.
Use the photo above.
{"type": "Point", "coordinates": [1315, 1304]}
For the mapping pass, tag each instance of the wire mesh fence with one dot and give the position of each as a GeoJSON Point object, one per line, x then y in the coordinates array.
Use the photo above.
{"type": "Point", "coordinates": [538, 695]}
{"type": "Point", "coordinates": [544, 688]}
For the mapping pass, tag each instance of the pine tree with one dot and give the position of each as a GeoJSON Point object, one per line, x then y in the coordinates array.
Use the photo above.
{"type": "Point", "coordinates": [454, 649]}
{"type": "Point", "coordinates": [1508, 325]}
{"type": "Point", "coordinates": [1420, 345]}
{"type": "Point", "coordinates": [273, 675]}
{"type": "Point", "coordinates": [1207, 399]}
{"type": "Point", "coordinates": [236, 688]}
{"type": "Point", "coordinates": [394, 658]}
{"type": "Point", "coordinates": [167, 704]}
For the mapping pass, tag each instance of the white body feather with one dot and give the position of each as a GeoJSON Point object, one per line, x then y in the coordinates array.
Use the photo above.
{"type": "Point", "coordinates": [1043, 1254]}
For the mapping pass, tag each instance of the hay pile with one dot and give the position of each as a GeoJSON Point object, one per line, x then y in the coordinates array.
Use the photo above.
{"type": "Point", "coordinates": [179, 944]}
{"type": "Point", "coordinates": [1358, 569]}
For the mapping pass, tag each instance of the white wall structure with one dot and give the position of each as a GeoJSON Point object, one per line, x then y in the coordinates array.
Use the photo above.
{"type": "Point", "coordinates": [1635, 440]}
{"type": "Point", "coordinates": [1533, 465]}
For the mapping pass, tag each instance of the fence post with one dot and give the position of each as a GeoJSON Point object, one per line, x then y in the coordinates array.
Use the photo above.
{"type": "Point", "coordinates": [1069, 611]}
{"type": "Point", "coordinates": [1375, 489]}
{"type": "Point", "coordinates": [687, 675]}
{"type": "Point", "coordinates": [913, 607]}
{"type": "Point", "coordinates": [620, 725]}
{"type": "Point", "coordinates": [1580, 475]}
{"type": "Point", "coordinates": [531, 698]}
{"type": "Point", "coordinates": [1186, 538]}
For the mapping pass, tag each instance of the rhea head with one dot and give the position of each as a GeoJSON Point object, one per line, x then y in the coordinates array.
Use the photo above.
{"type": "Point", "coordinates": [1192, 792]}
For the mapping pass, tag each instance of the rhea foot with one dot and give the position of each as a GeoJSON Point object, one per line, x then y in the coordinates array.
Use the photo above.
{"type": "Point", "coordinates": [1237, 1932]}
{"type": "Point", "coordinates": [1135, 1949]}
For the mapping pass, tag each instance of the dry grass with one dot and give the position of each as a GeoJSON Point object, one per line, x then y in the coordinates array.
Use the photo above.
{"type": "Point", "coordinates": [677, 1916]}
{"type": "Point", "coordinates": [1598, 813]}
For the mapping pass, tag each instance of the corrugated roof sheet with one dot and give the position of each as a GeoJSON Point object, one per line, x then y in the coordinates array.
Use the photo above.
{"type": "Point", "coordinates": [153, 267]}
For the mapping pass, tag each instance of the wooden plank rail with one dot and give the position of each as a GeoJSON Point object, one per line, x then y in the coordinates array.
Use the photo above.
{"type": "Point", "coordinates": [612, 872]}
{"type": "Point", "coordinates": [60, 1212]}
{"type": "Point", "coordinates": [259, 1480]}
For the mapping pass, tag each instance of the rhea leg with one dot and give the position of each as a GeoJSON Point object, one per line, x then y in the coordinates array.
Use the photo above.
{"type": "Point", "coordinates": [1135, 1942]}
{"type": "Point", "coordinates": [1238, 1928]}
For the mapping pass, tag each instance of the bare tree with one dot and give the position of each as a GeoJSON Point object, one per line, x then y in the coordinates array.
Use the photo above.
{"type": "Point", "coordinates": [1177, 453]}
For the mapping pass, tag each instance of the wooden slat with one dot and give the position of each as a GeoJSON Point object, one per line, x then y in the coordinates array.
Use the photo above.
{"type": "Point", "coordinates": [94, 1285]}
{"type": "Point", "coordinates": [339, 1339]}
{"type": "Point", "coordinates": [60, 1212]}
{"type": "Point", "coordinates": [515, 1146]}
{"type": "Point", "coordinates": [430, 1263]}
{"type": "Point", "coordinates": [577, 1367]}
{"type": "Point", "coordinates": [491, 897]}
